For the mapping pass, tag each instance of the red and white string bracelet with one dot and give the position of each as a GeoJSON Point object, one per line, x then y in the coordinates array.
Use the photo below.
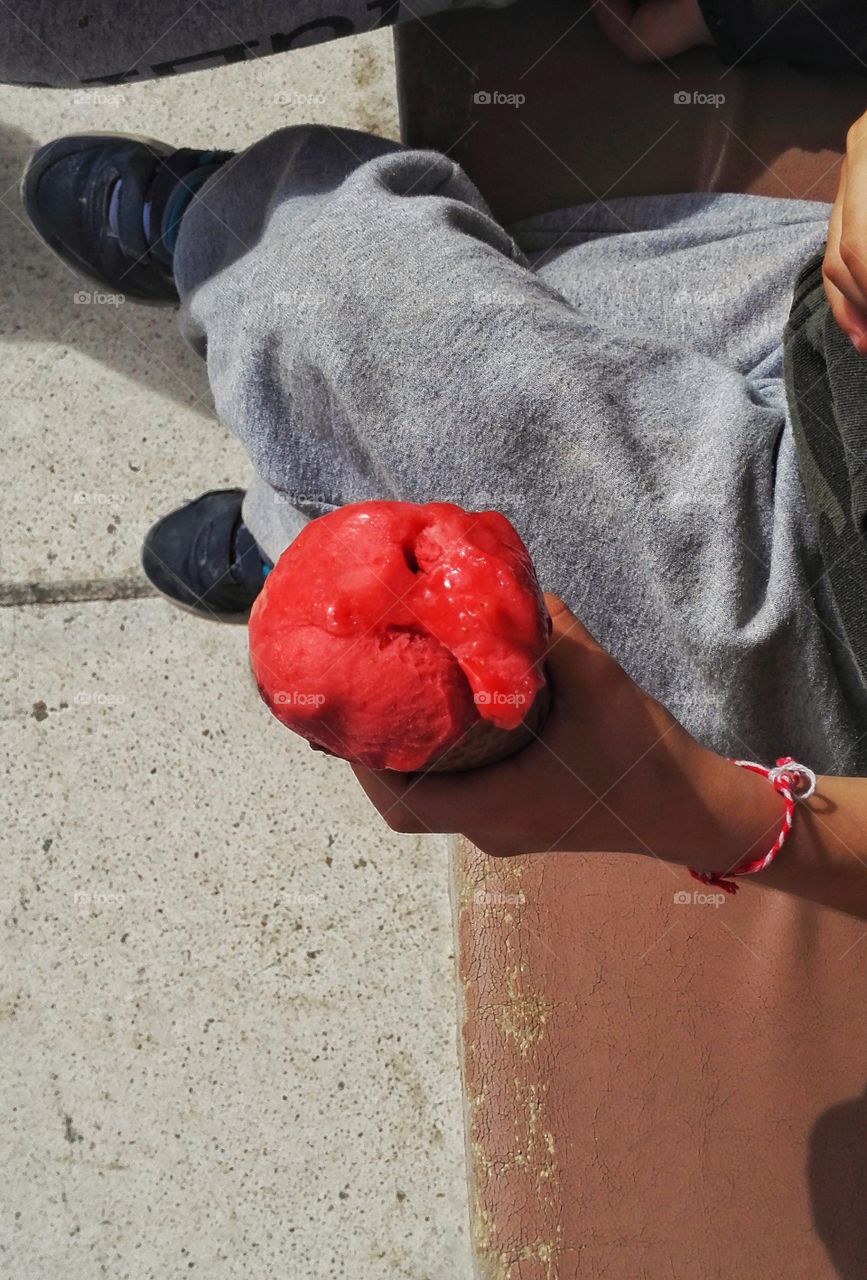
{"type": "Point", "coordinates": [794, 782]}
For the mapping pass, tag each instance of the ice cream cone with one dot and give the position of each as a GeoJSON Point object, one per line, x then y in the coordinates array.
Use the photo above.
{"type": "Point", "coordinates": [485, 744]}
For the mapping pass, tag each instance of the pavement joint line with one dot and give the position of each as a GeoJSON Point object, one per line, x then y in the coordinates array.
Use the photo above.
{"type": "Point", "coordinates": [74, 591]}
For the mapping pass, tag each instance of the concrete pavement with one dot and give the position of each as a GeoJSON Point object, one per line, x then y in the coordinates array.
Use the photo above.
{"type": "Point", "coordinates": [229, 1041]}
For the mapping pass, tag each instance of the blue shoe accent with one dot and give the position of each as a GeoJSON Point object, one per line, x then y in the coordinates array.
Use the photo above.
{"type": "Point", "coordinates": [181, 196]}
{"type": "Point", "coordinates": [100, 201]}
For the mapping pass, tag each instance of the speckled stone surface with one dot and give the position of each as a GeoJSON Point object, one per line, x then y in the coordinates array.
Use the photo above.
{"type": "Point", "coordinates": [105, 411]}
{"type": "Point", "coordinates": [228, 1010]}
{"type": "Point", "coordinates": [228, 1006]}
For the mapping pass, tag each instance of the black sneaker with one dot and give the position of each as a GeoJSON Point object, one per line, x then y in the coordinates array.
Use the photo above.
{"type": "Point", "coordinates": [111, 205]}
{"type": "Point", "coordinates": [205, 559]}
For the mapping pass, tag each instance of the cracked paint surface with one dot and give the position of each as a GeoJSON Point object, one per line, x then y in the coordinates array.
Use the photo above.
{"type": "Point", "coordinates": [654, 1090]}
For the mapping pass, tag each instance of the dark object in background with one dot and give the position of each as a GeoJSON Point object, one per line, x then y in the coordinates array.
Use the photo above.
{"type": "Point", "coordinates": [592, 124]}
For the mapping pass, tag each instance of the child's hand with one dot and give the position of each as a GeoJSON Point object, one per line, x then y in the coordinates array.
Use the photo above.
{"type": "Point", "coordinates": [645, 30]}
{"type": "Point", "coordinates": [845, 266]}
{"type": "Point", "coordinates": [612, 771]}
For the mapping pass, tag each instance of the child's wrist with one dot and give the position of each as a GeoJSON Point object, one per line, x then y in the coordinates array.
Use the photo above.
{"type": "Point", "coordinates": [730, 815]}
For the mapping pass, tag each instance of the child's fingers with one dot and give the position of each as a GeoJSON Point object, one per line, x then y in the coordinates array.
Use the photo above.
{"type": "Point", "coordinates": [852, 246]}
{"type": "Point", "coordinates": [652, 30]}
{"type": "Point", "coordinates": [575, 661]}
{"type": "Point", "coordinates": [847, 301]}
{"type": "Point", "coordinates": [614, 18]}
{"type": "Point", "coordinates": [853, 322]}
{"type": "Point", "coordinates": [435, 803]}
{"type": "Point", "coordinates": [387, 792]}
{"type": "Point", "coordinates": [845, 265]}
{"type": "Point", "coordinates": [566, 626]}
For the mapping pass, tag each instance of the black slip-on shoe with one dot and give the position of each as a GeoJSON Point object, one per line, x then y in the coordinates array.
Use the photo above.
{"type": "Point", "coordinates": [204, 558]}
{"type": "Point", "coordinates": [111, 205]}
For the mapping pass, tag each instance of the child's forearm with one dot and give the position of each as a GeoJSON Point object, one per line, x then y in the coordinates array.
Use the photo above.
{"type": "Point", "coordinates": [824, 858]}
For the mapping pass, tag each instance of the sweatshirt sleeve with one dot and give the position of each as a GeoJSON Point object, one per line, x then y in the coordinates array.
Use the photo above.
{"type": "Point", "coordinates": [811, 33]}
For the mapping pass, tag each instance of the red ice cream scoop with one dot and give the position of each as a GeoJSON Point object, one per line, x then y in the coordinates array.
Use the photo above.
{"type": "Point", "coordinates": [404, 636]}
